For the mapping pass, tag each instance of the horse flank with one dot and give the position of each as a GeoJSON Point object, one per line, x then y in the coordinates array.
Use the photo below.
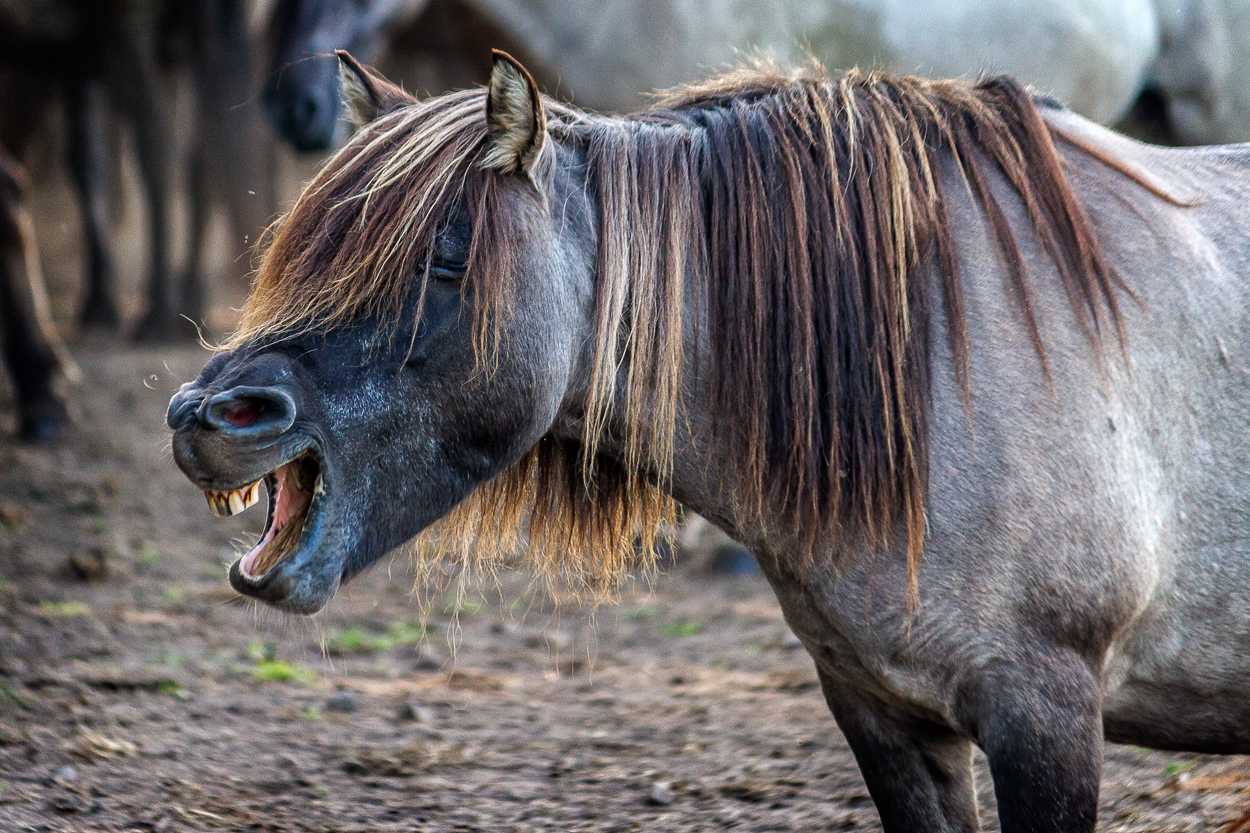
{"type": "Point", "coordinates": [802, 210]}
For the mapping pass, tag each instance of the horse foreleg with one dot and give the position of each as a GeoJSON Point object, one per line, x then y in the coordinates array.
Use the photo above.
{"type": "Point", "coordinates": [237, 147]}
{"type": "Point", "coordinates": [919, 774]}
{"type": "Point", "coordinates": [1040, 724]}
{"type": "Point", "coordinates": [88, 163]}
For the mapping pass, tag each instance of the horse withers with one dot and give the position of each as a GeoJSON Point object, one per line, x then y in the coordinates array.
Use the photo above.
{"type": "Point", "coordinates": [966, 372]}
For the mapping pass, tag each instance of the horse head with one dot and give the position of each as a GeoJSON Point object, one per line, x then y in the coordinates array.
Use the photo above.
{"type": "Point", "coordinates": [412, 333]}
{"type": "Point", "coordinates": [302, 90]}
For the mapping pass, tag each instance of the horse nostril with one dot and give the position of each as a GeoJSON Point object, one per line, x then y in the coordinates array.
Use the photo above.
{"type": "Point", "coordinates": [245, 414]}
{"type": "Point", "coordinates": [308, 108]}
{"type": "Point", "coordinates": [253, 412]}
{"type": "Point", "coordinates": [182, 408]}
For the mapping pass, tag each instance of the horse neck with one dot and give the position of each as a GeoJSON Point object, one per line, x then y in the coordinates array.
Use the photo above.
{"type": "Point", "coordinates": [699, 455]}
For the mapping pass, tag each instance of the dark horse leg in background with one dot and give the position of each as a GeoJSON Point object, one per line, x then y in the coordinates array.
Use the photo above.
{"type": "Point", "coordinates": [134, 87]}
{"type": "Point", "coordinates": [31, 350]}
{"type": "Point", "coordinates": [25, 99]}
{"type": "Point", "coordinates": [86, 112]}
{"type": "Point", "coordinates": [233, 157]}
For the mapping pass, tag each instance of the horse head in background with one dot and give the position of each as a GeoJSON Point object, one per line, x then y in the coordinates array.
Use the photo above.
{"type": "Point", "coordinates": [950, 360]}
{"type": "Point", "coordinates": [302, 91]}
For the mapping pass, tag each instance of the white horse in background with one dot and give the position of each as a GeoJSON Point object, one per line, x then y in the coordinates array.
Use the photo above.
{"type": "Point", "coordinates": [1092, 55]}
{"type": "Point", "coordinates": [1089, 54]}
{"type": "Point", "coordinates": [1202, 71]}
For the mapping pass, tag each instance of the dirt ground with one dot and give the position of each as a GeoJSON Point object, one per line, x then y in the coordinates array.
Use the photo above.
{"type": "Point", "coordinates": [137, 692]}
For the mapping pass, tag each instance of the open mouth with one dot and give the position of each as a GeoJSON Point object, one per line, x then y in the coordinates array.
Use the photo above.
{"type": "Point", "coordinates": [295, 491]}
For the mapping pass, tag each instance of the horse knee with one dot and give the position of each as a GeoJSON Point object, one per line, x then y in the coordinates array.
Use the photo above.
{"type": "Point", "coordinates": [1040, 726]}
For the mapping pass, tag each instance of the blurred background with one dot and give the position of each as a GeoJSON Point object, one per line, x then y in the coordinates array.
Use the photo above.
{"type": "Point", "coordinates": [161, 136]}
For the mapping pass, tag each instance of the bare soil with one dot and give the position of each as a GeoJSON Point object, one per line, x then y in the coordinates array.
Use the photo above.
{"type": "Point", "coordinates": [138, 693]}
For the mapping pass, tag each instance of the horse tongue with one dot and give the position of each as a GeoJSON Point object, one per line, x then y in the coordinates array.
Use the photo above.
{"type": "Point", "coordinates": [284, 543]}
{"type": "Point", "coordinates": [291, 503]}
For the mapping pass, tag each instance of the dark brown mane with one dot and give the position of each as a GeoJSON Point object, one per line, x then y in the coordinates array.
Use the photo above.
{"type": "Point", "coordinates": [805, 209]}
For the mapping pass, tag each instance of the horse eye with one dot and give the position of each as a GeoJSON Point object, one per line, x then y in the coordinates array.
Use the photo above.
{"type": "Point", "coordinates": [446, 271]}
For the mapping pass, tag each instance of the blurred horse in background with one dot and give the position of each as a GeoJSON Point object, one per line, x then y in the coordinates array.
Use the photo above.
{"type": "Point", "coordinates": [301, 93]}
{"type": "Point", "coordinates": [443, 41]}
{"type": "Point", "coordinates": [1090, 55]}
{"type": "Point", "coordinates": [1188, 56]}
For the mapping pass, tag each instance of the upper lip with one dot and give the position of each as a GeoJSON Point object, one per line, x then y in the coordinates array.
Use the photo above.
{"type": "Point", "coordinates": [288, 448]}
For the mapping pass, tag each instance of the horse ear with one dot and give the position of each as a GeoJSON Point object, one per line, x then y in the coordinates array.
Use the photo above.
{"type": "Point", "coordinates": [367, 95]}
{"type": "Point", "coordinates": [516, 123]}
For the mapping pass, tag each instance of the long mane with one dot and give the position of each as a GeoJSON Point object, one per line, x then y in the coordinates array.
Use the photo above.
{"type": "Point", "coordinates": [805, 213]}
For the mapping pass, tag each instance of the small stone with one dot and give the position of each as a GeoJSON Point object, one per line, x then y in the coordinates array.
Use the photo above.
{"type": "Point", "coordinates": [426, 663]}
{"type": "Point", "coordinates": [67, 804]}
{"type": "Point", "coordinates": [661, 793]}
{"type": "Point", "coordinates": [558, 769]}
{"type": "Point", "coordinates": [732, 560]}
{"type": "Point", "coordinates": [553, 641]}
{"type": "Point", "coordinates": [343, 701]}
{"type": "Point", "coordinates": [90, 565]}
{"type": "Point", "coordinates": [415, 712]}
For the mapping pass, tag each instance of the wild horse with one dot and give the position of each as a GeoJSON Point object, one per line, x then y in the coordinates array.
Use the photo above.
{"type": "Point", "coordinates": [966, 372]}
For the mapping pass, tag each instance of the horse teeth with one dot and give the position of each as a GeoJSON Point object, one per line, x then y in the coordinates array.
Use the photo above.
{"type": "Point", "coordinates": [225, 504]}
{"type": "Point", "coordinates": [321, 485]}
